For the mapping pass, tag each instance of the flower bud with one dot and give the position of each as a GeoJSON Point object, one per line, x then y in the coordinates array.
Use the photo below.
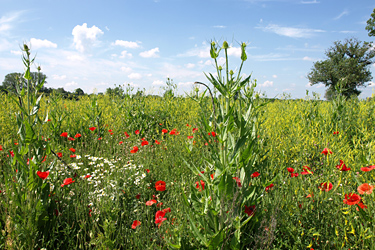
{"type": "Point", "coordinates": [225, 45]}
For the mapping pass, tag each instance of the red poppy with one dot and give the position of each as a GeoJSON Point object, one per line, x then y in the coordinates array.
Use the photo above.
{"type": "Point", "coordinates": [238, 180]}
{"type": "Point", "coordinates": [144, 143]}
{"type": "Point", "coordinates": [121, 142]}
{"type": "Point", "coordinates": [159, 217]}
{"type": "Point", "coordinates": [99, 138]}
{"type": "Point", "coordinates": [43, 175]}
{"type": "Point", "coordinates": [200, 185]}
{"type": "Point", "coordinates": [369, 168]}
{"type": "Point", "coordinates": [336, 133]}
{"type": "Point", "coordinates": [250, 210]}
{"type": "Point", "coordinates": [64, 134]}
{"type": "Point", "coordinates": [73, 156]}
{"type": "Point", "coordinates": [157, 142]}
{"type": "Point", "coordinates": [11, 153]}
{"type": "Point", "coordinates": [67, 181]}
{"type": "Point", "coordinates": [290, 170]}
{"type": "Point", "coordinates": [361, 205]}
{"type": "Point", "coordinates": [190, 137]}
{"type": "Point", "coordinates": [352, 199]}
{"type": "Point", "coordinates": [48, 120]}
{"type": "Point", "coordinates": [134, 150]}
{"type": "Point", "coordinates": [150, 202]}
{"type": "Point", "coordinates": [110, 130]}
{"type": "Point", "coordinates": [173, 131]}
{"type": "Point", "coordinates": [326, 151]}
{"type": "Point", "coordinates": [138, 196]}
{"type": "Point", "coordinates": [148, 170]}
{"type": "Point", "coordinates": [73, 150]}
{"type": "Point", "coordinates": [269, 187]}
{"type": "Point", "coordinates": [1, 148]}
{"type": "Point", "coordinates": [195, 130]}
{"type": "Point", "coordinates": [77, 135]}
{"type": "Point", "coordinates": [213, 133]}
{"type": "Point", "coordinates": [137, 132]}
{"type": "Point", "coordinates": [127, 135]}
{"type": "Point", "coordinates": [342, 166]}
{"type": "Point", "coordinates": [87, 176]}
{"type": "Point", "coordinates": [71, 139]}
{"type": "Point", "coordinates": [365, 188]}
{"type": "Point", "coordinates": [159, 204]}
{"type": "Point", "coordinates": [212, 176]}
{"type": "Point", "coordinates": [59, 154]}
{"type": "Point", "coordinates": [306, 170]}
{"type": "Point", "coordinates": [160, 186]}
{"type": "Point", "coordinates": [166, 210]}
{"type": "Point", "coordinates": [164, 131]}
{"type": "Point", "coordinates": [294, 174]}
{"type": "Point", "coordinates": [92, 128]}
{"type": "Point", "coordinates": [135, 224]}
{"type": "Point", "coordinates": [187, 125]}
{"type": "Point", "coordinates": [310, 195]}
{"type": "Point", "coordinates": [325, 186]}
{"type": "Point", "coordinates": [255, 174]}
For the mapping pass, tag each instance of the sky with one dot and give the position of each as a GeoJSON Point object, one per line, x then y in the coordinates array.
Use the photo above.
{"type": "Point", "coordinates": [95, 45]}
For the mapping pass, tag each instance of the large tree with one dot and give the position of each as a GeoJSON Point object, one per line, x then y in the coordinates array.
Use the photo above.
{"type": "Point", "coordinates": [16, 79]}
{"type": "Point", "coordinates": [346, 68]}
{"type": "Point", "coordinates": [371, 24]}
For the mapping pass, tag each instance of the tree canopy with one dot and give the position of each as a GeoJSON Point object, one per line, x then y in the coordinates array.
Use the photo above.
{"type": "Point", "coordinates": [13, 79]}
{"type": "Point", "coordinates": [371, 24]}
{"type": "Point", "coordinates": [347, 68]}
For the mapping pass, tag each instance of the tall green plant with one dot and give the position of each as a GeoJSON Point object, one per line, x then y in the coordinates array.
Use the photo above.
{"type": "Point", "coordinates": [216, 206]}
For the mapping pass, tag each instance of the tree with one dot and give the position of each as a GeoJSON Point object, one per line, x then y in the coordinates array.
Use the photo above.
{"type": "Point", "coordinates": [346, 68]}
{"type": "Point", "coordinates": [13, 79]}
{"type": "Point", "coordinates": [79, 91]}
{"type": "Point", "coordinates": [371, 24]}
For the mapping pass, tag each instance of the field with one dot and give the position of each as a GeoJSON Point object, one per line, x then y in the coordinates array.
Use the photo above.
{"type": "Point", "coordinates": [148, 172]}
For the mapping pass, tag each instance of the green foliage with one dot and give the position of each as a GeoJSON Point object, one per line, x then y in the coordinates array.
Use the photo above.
{"type": "Point", "coordinates": [370, 27]}
{"type": "Point", "coordinates": [14, 80]}
{"type": "Point", "coordinates": [348, 63]}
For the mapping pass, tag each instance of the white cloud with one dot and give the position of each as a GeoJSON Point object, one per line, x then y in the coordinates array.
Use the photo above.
{"type": "Point", "coordinates": [190, 65]}
{"type": "Point", "coordinates": [201, 52]}
{"type": "Point", "coordinates": [220, 26]}
{"type": "Point", "coordinates": [344, 13]}
{"type": "Point", "coordinates": [158, 82]}
{"type": "Point", "coordinates": [126, 69]}
{"type": "Point", "coordinates": [7, 20]}
{"type": "Point", "coordinates": [135, 76]}
{"type": "Point", "coordinates": [290, 31]}
{"type": "Point", "coordinates": [57, 77]}
{"type": "Point", "coordinates": [125, 54]}
{"type": "Point", "coordinates": [309, 2]}
{"type": "Point", "coordinates": [234, 51]}
{"type": "Point", "coordinates": [69, 84]}
{"type": "Point", "coordinates": [306, 58]}
{"type": "Point", "coordinates": [75, 58]}
{"type": "Point", "coordinates": [267, 84]}
{"type": "Point", "coordinates": [127, 44]}
{"type": "Point", "coordinates": [150, 53]}
{"type": "Point", "coordinates": [16, 52]}
{"type": "Point", "coordinates": [38, 43]}
{"type": "Point", "coordinates": [274, 76]}
{"type": "Point", "coordinates": [84, 37]}
{"type": "Point", "coordinates": [185, 83]}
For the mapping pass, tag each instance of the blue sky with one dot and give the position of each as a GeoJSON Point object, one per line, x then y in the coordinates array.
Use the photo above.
{"type": "Point", "coordinates": [94, 45]}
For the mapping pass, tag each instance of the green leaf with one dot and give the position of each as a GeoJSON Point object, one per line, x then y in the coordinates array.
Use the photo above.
{"type": "Point", "coordinates": [217, 240]}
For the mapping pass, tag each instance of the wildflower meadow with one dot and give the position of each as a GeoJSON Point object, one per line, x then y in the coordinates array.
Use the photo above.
{"type": "Point", "coordinates": [218, 168]}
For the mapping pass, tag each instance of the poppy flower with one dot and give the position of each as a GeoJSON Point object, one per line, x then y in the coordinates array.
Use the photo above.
{"type": "Point", "coordinates": [92, 128]}
{"type": "Point", "coordinates": [325, 186]}
{"type": "Point", "coordinates": [73, 156]}
{"type": "Point", "coordinates": [310, 195]}
{"type": "Point", "coordinates": [138, 196]}
{"type": "Point", "coordinates": [365, 188]}
{"type": "Point", "coordinates": [150, 202]}
{"type": "Point", "coordinates": [87, 176]}
{"type": "Point", "coordinates": [43, 175]}
{"type": "Point", "coordinates": [157, 142]}
{"type": "Point", "coordinates": [166, 210]}
{"type": "Point", "coordinates": [1, 148]}
{"type": "Point", "coordinates": [134, 150]}
{"type": "Point", "coordinates": [190, 137]}
{"type": "Point", "coordinates": [64, 134]}
{"type": "Point", "coordinates": [164, 131]}
{"type": "Point", "coordinates": [342, 166]}
{"type": "Point", "coordinates": [99, 138]}
{"type": "Point", "coordinates": [11, 153]}
{"type": "Point", "coordinates": [290, 170]}
{"type": "Point", "coordinates": [294, 174]}
{"type": "Point", "coordinates": [187, 125]}
{"type": "Point", "coordinates": [336, 133]}
{"type": "Point", "coordinates": [160, 186]}
{"type": "Point", "coordinates": [110, 130]}
{"type": "Point", "coordinates": [59, 154]}
{"type": "Point", "coordinates": [195, 130]}
{"type": "Point", "coordinates": [137, 132]}
{"type": "Point", "coordinates": [159, 217]}
{"type": "Point", "coordinates": [326, 151]}
{"type": "Point", "coordinates": [148, 170]}
{"type": "Point", "coordinates": [238, 180]}
{"type": "Point", "coordinates": [121, 142]}
{"type": "Point", "coordinates": [250, 210]}
{"type": "Point", "coordinates": [159, 204]}
{"type": "Point", "coordinates": [352, 199]}
{"type": "Point", "coordinates": [361, 205]}
{"type": "Point", "coordinates": [369, 168]}
{"type": "Point", "coordinates": [71, 139]}
{"type": "Point", "coordinates": [73, 150]}
{"type": "Point", "coordinates": [67, 181]}
{"type": "Point", "coordinates": [144, 143]}
{"type": "Point", "coordinates": [135, 224]}
{"type": "Point", "coordinates": [201, 184]}
{"type": "Point", "coordinates": [306, 170]}
{"type": "Point", "coordinates": [213, 133]}
{"type": "Point", "coordinates": [127, 135]}
{"type": "Point", "coordinates": [212, 176]}
{"type": "Point", "coordinates": [269, 187]}
{"type": "Point", "coordinates": [255, 174]}
{"type": "Point", "coordinates": [173, 131]}
{"type": "Point", "coordinates": [77, 135]}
